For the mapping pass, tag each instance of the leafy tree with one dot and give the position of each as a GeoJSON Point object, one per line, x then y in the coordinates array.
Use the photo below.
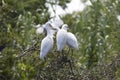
{"type": "Point", "coordinates": [96, 28]}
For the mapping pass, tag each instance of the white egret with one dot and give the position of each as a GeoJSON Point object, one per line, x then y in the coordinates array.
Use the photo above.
{"type": "Point", "coordinates": [71, 40]}
{"type": "Point", "coordinates": [67, 37]}
{"type": "Point", "coordinates": [47, 42]}
{"type": "Point", "coordinates": [61, 37]}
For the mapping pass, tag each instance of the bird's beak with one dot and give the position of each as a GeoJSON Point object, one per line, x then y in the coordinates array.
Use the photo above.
{"type": "Point", "coordinates": [53, 28]}
{"type": "Point", "coordinates": [67, 27]}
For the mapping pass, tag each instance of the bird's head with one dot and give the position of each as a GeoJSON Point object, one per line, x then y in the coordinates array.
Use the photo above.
{"type": "Point", "coordinates": [65, 26]}
{"type": "Point", "coordinates": [49, 26]}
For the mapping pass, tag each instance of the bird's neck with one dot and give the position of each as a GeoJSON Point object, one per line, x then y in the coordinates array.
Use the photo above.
{"type": "Point", "coordinates": [64, 29]}
{"type": "Point", "coordinates": [49, 33]}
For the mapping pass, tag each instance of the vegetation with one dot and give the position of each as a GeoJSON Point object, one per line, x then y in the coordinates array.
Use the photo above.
{"type": "Point", "coordinates": [96, 28]}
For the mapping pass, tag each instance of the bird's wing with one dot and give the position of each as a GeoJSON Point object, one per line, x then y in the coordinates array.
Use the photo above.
{"type": "Point", "coordinates": [46, 46]}
{"type": "Point", "coordinates": [61, 39]}
{"type": "Point", "coordinates": [71, 36]}
{"type": "Point", "coordinates": [61, 36]}
{"type": "Point", "coordinates": [72, 40]}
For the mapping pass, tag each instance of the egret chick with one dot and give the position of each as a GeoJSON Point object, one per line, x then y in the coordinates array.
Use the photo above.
{"type": "Point", "coordinates": [61, 37]}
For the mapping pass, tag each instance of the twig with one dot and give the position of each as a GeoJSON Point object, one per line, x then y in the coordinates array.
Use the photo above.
{"type": "Point", "coordinates": [27, 50]}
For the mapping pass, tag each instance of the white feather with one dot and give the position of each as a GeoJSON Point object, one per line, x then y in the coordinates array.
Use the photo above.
{"type": "Point", "coordinates": [72, 40]}
{"type": "Point", "coordinates": [61, 38]}
{"type": "Point", "coordinates": [47, 42]}
{"type": "Point", "coordinates": [46, 46]}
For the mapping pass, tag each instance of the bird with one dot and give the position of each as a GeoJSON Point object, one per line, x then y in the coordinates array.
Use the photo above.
{"type": "Point", "coordinates": [71, 41]}
{"type": "Point", "coordinates": [47, 42]}
{"type": "Point", "coordinates": [61, 37]}
{"type": "Point", "coordinates": [70, 38]}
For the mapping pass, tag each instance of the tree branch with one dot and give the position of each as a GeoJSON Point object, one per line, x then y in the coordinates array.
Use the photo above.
{"type": "Point", "coordinates": [27, 50]}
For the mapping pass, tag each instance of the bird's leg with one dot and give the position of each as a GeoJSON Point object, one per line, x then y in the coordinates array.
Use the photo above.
{"type": "Point", "coordinates": [71, 57]}
{"type": "Point", "coordinates": [69, 61]}
{"type": "Point", "coordinates": [71, 68]}
{"type": "Point", "coordinates": [64, 57]}
{"type": "Point", "coordinates": [62, 52]}
{"type": "Point", "coordinates": [68, 51]}
{"type": "Point", "coordinates": [45, 59]}
{"type": "Point", "coordinates": [54, 54]}
{"type": "Point", "coordinates": [71, 52]}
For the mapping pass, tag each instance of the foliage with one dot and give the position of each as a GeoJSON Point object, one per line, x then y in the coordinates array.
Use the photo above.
{"type": "Point", "coordinates": [96, 28]}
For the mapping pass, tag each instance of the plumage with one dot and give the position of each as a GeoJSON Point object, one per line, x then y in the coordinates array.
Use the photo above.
{"type": "Point", "coordinates": [72, 40]}
{"type": "Point", "coordinates": [47, 42]}
{"type": "Point", "coordinates": [46, 46]}
{"type": "Point", "coordinates": [61, 38]}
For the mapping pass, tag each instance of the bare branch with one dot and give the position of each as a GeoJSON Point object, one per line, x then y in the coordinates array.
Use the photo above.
{"type": "Point", "coordinates": [27, 50]}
